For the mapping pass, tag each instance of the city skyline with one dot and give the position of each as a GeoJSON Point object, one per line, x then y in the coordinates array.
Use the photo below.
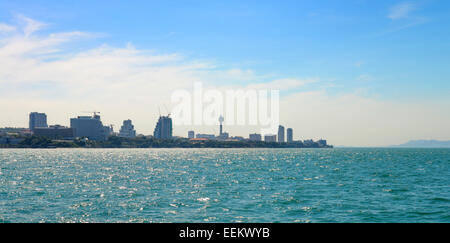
{"type": "Point", "coordinates": [93, 126]}
{"type": "Point", "coordinates": [343, 69]}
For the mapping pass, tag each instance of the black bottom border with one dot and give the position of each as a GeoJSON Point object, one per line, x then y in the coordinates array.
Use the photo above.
{"type": "Point", "coordinates": [224, 232]}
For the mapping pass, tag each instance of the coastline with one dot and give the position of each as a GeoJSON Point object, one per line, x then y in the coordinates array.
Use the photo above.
{"type": "Point", "coordinates": [148, 142]}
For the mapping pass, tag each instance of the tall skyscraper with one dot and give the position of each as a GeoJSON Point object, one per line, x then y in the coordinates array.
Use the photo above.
{"type": "Point", "coordinates": [281, 134]}
{"type": "Point", "coordinates": [163, 129]}
{"type": "Point", "coordinates": [127, 130]}
{"type": "Point", "coordinates": [90, 127]}
{"type": "Point", "coordinates": [37, 120]}
{"type": "Point", "coordinates": [290, 135]}
{"type": "Point", "coordinates": [191, 134]}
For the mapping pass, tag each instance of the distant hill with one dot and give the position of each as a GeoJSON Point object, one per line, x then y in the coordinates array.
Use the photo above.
{"type": "Point", "coordinates": [424, 144]}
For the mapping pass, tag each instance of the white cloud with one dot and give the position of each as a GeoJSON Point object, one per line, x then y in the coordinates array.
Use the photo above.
{"type": "Point", "coordinates": [401, 10]}
{"type": "Point", "coordinates": [402, 18]}
{"type": "Point", "coordinates": [241, 74]}
{"type": "Point", "coordinates": [6, 28]}
{"type": "Point", "coordinates": [283, 84]}
{"type": "Point", "coordinates": [30, 25]}
{"type": "Point", "coordinates": [19, 45]}
{"type": "Point", "coordinates": [41, 73]}
{"type": "Point", "coordinates": [364, 78]}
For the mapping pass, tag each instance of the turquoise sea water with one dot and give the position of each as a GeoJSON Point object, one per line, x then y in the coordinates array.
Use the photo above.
{"type": "Point", "coordinates": [225, 185]}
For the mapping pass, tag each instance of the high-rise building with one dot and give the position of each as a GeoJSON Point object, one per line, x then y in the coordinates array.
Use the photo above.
{"type": "Point", "coordinates": [127, 130]}
{"type": "Point", "coordinates": [322, 142]}
{"type": "Point", "coordinates": [221, 119]}
{"type": "Point", "coordinates": [90, 127]}
{"type": "Point", "coordinates": [163, 129]}
{"type": "Point", "coordinates": [108, 130]}
{"type": "Point", "coordinates": [254, 137]}
{"type": "Point", "coordinates": [191, 134]}
{"type": "Point", "coordinates": [223, 136]}
{"type": "Point", "coordinates": [37, 120]}
{"type": "Point", "coordinates": [280, 134]}
{"type": "Point", "coordinates": [290, 135]}
{"type": "Point", "coordinates": [270, 138]}
{"type": "Point", "coordinates": [308, 142]}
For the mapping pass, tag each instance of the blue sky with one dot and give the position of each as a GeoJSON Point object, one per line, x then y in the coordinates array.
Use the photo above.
{"type": "Point", "coordinates": [390, 51]}
{"type": "Point", "coordinates": [400, 57]}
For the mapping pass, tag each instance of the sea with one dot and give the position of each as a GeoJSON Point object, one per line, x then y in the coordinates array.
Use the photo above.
{"type": "Point", "coordinates": [225, 185]}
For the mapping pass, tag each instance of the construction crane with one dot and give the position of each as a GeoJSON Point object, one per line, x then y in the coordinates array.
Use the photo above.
{"type": "Point", "coordinates": [94, 112]}
{"type": "Point", "coordinates": [168, 113]}
{"type": "Point", "coordinates": [111, 126]}
{"type": "Point", "coordinates": [159, 109]}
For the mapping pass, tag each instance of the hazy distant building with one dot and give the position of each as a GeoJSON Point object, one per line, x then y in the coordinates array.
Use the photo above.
{"type": "Point", "coordinates": [10, 140]}
{"type": "Point", "coordinates": [238, 138]}
{"type": "Point", "coordinates": [6, 131]}
{"type": "Point", "coordinates": [54, 132]}
{"type": "Point", "coordinates": [254, 137]}
{"type": "Point", "coordinates": [281, 134]}
{"type": "Point", "coordinates": [37, 120]}
{"type": "Point", "coordinates": [223, 136]}
{"type": "Point", "coordinates": [206, 136]}
{"type": "Point", "coordinates": [109, 130]}
{"type": "Point", "coordinates": [191, 134]}
{"type": "Point", "coordinates": [198, 139]}
{"type": "Point", "coordinates": [127, 130]}
{"type": "Point", "coordinates": [322, 142]}
{"type": "Point", "coordinates": [270, 138]}
{"type": "Point", "coordinates": [290, 135]}
{"type": "Point", "coordinates": [221, 119]}
{"type": "Point", "coordinates": [163, 129]}
{"type": "Point", "coordinates": [308, 142]}
{"type": "Point", "coordinates": [90, 127]}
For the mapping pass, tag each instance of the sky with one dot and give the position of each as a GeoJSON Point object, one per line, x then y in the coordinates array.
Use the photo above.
{"type": "Point", "coordinates": [355, 72]}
